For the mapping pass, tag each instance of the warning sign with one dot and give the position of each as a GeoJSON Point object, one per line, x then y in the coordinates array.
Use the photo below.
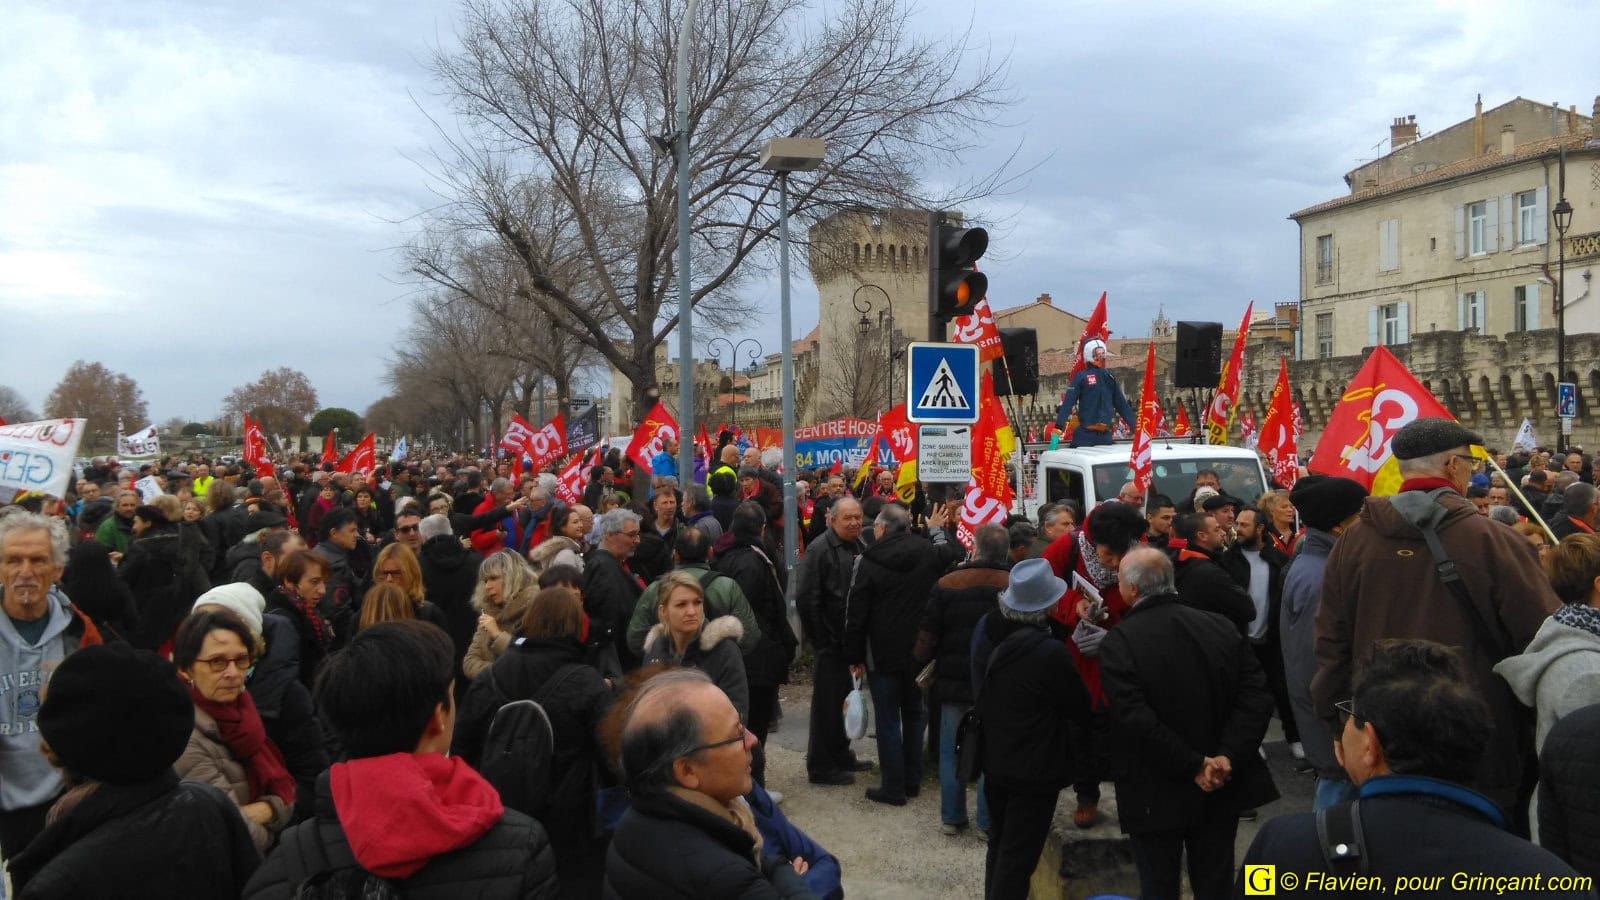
{"type": "Point", "coordinates": [944, 454]}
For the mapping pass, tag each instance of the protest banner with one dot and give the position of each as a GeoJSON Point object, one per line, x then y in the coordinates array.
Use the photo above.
{"type": "Point", "coordinates": [37, 456]}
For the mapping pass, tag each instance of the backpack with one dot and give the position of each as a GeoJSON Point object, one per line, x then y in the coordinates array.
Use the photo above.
{"type": "Point", "coordinates": [314, 875]}
{"type": "Point", "coordinates": [518, 755]}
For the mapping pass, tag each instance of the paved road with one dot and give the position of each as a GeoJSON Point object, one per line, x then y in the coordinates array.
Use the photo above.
{"type": "Point", "coordinates": [898, 853]}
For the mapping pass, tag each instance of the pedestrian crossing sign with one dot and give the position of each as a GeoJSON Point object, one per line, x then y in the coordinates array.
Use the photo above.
{"type": "Point", "coordinates": [942, 383]}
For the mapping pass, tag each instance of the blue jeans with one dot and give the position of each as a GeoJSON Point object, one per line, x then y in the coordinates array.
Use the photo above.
{"type": "Point", "coordinates": [901, 719]}
{"type": "Point", "coordinates": [1332, 792]}
{"type": "Point", "coordinates": [952, 793]}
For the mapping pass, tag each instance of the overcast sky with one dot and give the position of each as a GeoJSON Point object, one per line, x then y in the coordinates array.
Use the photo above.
{"type": "Point", "coordinates": [194, 192]}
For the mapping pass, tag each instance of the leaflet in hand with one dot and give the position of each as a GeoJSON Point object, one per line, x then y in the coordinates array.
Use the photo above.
{"type": "Point", "coordinates": [1086, 589]}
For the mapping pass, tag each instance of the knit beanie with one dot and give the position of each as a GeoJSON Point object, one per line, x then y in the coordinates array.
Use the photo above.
{"type": "Point", "coordinates": [116, 714]}
{"type": "Point", "coordinates": [241, 598]}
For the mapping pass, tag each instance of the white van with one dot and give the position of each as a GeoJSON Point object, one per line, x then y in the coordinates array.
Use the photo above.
{"type": "Point", "coordinates": [1093, 475]}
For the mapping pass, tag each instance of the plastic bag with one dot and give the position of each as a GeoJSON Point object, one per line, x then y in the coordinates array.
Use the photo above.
{"type": "Point", "coordinates": [855, 711]}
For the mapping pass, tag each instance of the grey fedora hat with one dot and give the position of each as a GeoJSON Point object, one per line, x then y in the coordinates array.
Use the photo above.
{"type": "Point", "coordinates": [1034, 587]}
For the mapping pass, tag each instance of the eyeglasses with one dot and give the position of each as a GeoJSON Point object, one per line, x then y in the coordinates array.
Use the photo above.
{"type": "Point", "coordinates": [1348, 708]}
{"type": "Point", "coordinates": [388, 573]}
{"type": "Point", "coordinates": [1472, 461]}
{"type": "Point", "coordinates": [630, 534]}
{"type": "Point", "coordinates": [736, 739]}
{"type": "Point", "coordinates": [220, 664]}
{"type": "Point", "coordinates": [405, 529]}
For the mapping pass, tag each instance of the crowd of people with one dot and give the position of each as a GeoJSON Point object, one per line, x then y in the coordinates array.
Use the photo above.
{"type": "Point", "coordinates": [440, 677]}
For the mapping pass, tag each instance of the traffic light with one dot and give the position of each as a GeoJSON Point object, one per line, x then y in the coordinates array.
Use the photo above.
{"type": "Point", "coordinates": [954, 283]}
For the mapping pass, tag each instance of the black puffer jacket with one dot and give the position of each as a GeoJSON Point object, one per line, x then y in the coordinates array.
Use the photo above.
{"type": "Point", "coordinates": [163, 572]}
{"type": "Point", "coordinates": [224, 530]}
{"type": "Point", "coordinates": [653, 558]}
{"type": "Point", "coordinates": [160, 838]}
{"type": "Point", "coordinates": [90, 581]}
{"type": "Point", "coordinates": [955, 605]}
{"type": "Point", "coordinates": [1030, 693]}
{"type": "Point", "coordinates": [1569, 790]}
{"type": "Point", "coordinates": [669, 849]}
{"type": "Point", "coordinates": [287, 711]}
{"type": "Point", "coordinates": [449, 576]}
{"type": "Point", "coordinates": [824, 583]}
{"type": "Point", "coordinates": [610, 593]}
{"type": "Point", "coordinates": [762, 582]}
{"type": "Point", "coordinates": [888, 596]}
{"type": "Point", "coordinates": [310, 648]}
{"type": "Point", "coordinates": [1204, 584]}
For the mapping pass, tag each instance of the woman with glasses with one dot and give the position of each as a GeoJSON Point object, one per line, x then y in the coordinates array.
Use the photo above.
{"type": "Point", "coordinates": [683, 637]}
{"type": "Point", "coordinates": [505, 587]}
{"type": "Point", "coordinates": [229, 749]}
{"type": "Point", "coordinates": [398, 566]}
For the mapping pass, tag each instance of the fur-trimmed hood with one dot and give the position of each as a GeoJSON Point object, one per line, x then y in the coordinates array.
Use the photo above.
{"type": "Point", "coordinates": [712, 633]}
{"type": "Point", "coordinates": [511, 613]}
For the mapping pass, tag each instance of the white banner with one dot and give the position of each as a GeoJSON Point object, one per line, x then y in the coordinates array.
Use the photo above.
{"type": "Point", "coordinates": [148, 489]}
{"type": "Point", "coordinates": [1525, 439]}
{"type": "Point", "coordinates": [37, 456]}
{"type": "Point", "coordinates": [141, 443]}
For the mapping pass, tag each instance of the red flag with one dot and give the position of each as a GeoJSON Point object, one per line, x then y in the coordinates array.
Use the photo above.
{"type": "Point", "coordinates": [979, 328]}
{"type": "Point", "coordinates": [1381, 399]}
{"type": "Point", "coordinates": [330, 449]}
{"type": "Point", "coordinates": [516, 468]}
{"type": "Point", "coordinates": [517, 434]}
{"type": "Point", "coordinates": [899, 432]}
{"type": "Point", "coordinates": [362, 458]}
{"type": "Point", "coordinates": [1095, 330]}
{"type": "Point", "coordinates": [1278, 434]}
{"type": "Point", "coordinates": [988, 451]}
{"type": "Point", "coordinates": [837, 467]}
{"type": "Point", "coordinates": [703, 446]}
{"type": "Point", "coordinates": [255, 447]}
{"type": "Point", "coordinates": [767, 438]}
{"type": "Point", "coordinates": [978, 508]}
{"type": "Point", "coordinates": [1182, 428]}
{"type": "Point", "coordinates": [548, 444]}
{"type": "Point", "coordinates": [1247, 429]}
{"type": "Point", "coordinates": [1161, 418]}
{"type": "Point", "coordinates": [649, 436]}
{"type": "Point", "coordinates": [866, 466]}
{"type": "Point", "coordinates": [1219, 417]}
{"type": "Point", "coordinates": [1141, 458]}
{"type": "Point", "coordinates": [571, 482]}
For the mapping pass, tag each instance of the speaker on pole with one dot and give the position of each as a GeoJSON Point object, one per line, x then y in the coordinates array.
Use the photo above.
{"type": "Point", "coordinates": [1199, 363]}
{"type": "Point", "coordinates": [1021, 346]}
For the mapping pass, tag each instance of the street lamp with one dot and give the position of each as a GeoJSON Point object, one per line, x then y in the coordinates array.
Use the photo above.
{"type": "Point", "coordinates": [864, 306]}
{"type": "Point", "coordinates": [680, 144]}
{"type": "Point", "coordinates": [784, 155]}
{"type": "Point", "coordinates": [1562, 214]}
{"type": "Point", "coordinates": [733, 362]}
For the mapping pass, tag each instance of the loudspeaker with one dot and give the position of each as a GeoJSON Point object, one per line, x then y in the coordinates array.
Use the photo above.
{"type": "Point", "coordinates": [1021, 346]}
{"type": "Point", "coordinates": [1199, 363]}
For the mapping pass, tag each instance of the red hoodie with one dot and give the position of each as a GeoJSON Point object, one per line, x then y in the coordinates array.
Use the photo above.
{"type": "Point", "coordinates": [400, 811]}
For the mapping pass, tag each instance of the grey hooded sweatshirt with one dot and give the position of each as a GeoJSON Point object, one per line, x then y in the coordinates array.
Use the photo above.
{"type": "Point", "coordinates": [1557, 674]}
{"type": "Point", "coordinates": [26, 777]}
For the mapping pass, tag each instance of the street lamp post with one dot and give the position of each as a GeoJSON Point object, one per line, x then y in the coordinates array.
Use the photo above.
{"type": "Point", "coordinates": [733, 363]}
{"type": "Point", "coordinates": [685, 297]}
{"type": "Point", "coordinates": [784, 155]}
{"type": "Point", "coordinates": [1562, 214]}
{"type": "Point", "coordinates": [864, 306]}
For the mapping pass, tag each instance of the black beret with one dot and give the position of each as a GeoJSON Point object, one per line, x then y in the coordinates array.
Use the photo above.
{"type": "Point", "coordinates": [116, 714]}
{"type": "Point", "coordinates": [1218, 501]}
{"type": "Point", "coordinates": [1425, 437]}
{"type": "Point", "coordinates": [1324, 501]}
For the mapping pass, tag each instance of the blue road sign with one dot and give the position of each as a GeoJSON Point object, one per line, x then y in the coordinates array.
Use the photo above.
{"type": "Point", "coordinates": [1566, 399]}
{"type": "Point", "coordinates": [942, 383]}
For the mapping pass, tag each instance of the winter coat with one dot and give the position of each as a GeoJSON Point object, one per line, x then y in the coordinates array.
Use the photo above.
{"type": "Point", "coordinates": [209, 760]}
{"type": "Point", "coordinates": [115, 532]}
{"type": "Point", "coordinates": [1182, 685]}
{"type": "Point", "coordinates": [824, 585]}
{"type": "Point", "coordinates": [309, 651]}
{"type": "Point", "coordinates": [1384, 552]}
{"type": "Point", "coordinates": [162, 569]}
{"type": "Point", "coordinates": [556, 551]}
{"type": "Point", "coordinates": [26, 777]}
{"type": "Point", "coordinates": [1558, 674]}
{"type": "Point", "coordinates": [723, 597]}
{"type": "Point", "coordinates": [667, 848]}
{"type": "Point", "coordinates": [168, 838]}
{"type": "Point", "coordinates": [653, 558]}
{"type": "Point", "coordinates": [286, 709]}
{"type": "Point", "coordinates": [762, 583]}
{"type": "Point", "coordinates": [90, 581]}
{"type": "Point", "coordinates": [1416, 828]}
{"type": "Point", "coordinates": [1069, 555]}
{"type": "Point", "coordinates": [483, 650]}
{"type": "Point", "coordinates": [223, 530]}
{"type": "Point", "coordinates": [449, 576]}
{"type": "Point", "coordinates": [780, 838]}
{"type": "Point", "coordinates": [955, 605]}
{"type": "Point", "coordinates": [1569, 790]}
{"type": "Point", "coordinates": [1297, 633]}
{"type": "Point", "coordinates": [1098, 398]}
{"type": "Point", "coordinates": [1029, 693]}
{"type": "Point", "coordinates": [512, 861]}
{"type": "Point", "coordinates": [715, 652]}
{"type": "Point", "coordinates": [1205, 585]}
{"type": "Point", "coordinates": [610, 593]}
{"type": "Point", "coordinates": [888, 595]}
{"type": "Point", "coordinates": [341, 603]}
{"type": "Point", "coordinates": [1237, 565]}
{"type": "Point", "coordinates": [575, 705]}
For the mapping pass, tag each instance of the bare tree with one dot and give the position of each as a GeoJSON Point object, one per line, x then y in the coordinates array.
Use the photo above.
{"type": "Point", "coordinates": [13, 408]}
{"type": "Point", "coordinates": [559, 100]}
{"type": "Point", "coordinates": [282, 399]}
{"type": "Point", "coordinates": [93, 392]}
{"type": "Point", "coordinates": [866, 381]}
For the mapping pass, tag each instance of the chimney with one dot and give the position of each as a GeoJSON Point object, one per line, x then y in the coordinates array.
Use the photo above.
{"type": "Point", "coordinates": [1508, 139]}
{"type": "Point", "coordinates": [1045, 299]}
{"type": "Point", "coordinates": [1477, 128]}
{"type": "Point", "coordinates": [1402, 132]}
{"type": "Point", "coordinates": [1594, 122]}
{"type": "Point", "coordinates": [1572, 118]}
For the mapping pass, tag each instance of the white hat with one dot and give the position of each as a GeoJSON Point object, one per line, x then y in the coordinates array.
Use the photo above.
{"type": "Point", "coordinates": [1089, 347]}
{"type": "Point", "coordinates": [241, 598]}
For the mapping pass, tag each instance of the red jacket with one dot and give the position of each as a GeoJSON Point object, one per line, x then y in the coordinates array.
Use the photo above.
{"type": "Point", "coordinates": [1066, 557]}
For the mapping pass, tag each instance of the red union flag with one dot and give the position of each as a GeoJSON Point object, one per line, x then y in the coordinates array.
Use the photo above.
{"type": "Point", "coordinates": [330, 448]}
{"type": "Point", "coordinates": [979, 328]}
{"type": "Point", "coordinates": [1095, 330]}
{"type": "Point", "coordinates": [1219, 417]}
{"type": "Point", "coordinates": [650, 435]}
{"type": "Point", "coordinates": [548, 443]}
{"type": "Point", "coordinates": [1383, 398]}
{"type": "Point", "coordinates": [363, 458]}
{"type": "Point", "coordinates": [570, 483]}
{"type": "Point", "coordinates": [900, 433]}
{"type": "Point", "coordinates": [1279, 432]}
{"type": "Point", "coordinates": [1182, 428]}
{"type": "Point", "coordinates": [255, 447]}
{"type": "Point", "coordinates": [517, 434]}
{"type": "Point", "coordinates": [1140, 458]}
{"type": "Point", "coordinates": [978, 508]}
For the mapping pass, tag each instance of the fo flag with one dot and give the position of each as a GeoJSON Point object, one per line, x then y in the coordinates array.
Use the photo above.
{"type": "Point", "coordinates": [547, 444]}
{"type": "Point", "coordinates": [979, 328]}
{"type": "Point", "coordinates": [1383, 398]}
{"type": "Point", "coordinates": [1219, 417]}
{"type": "Point", "coordinates": [1095, 330]}
{"type": "Point", "coordinates": [1140, 459]}
{"type": "Point", "coordinates": [651, 435]}
{"type": "Point", "coordinates": [1278, 431]}
{"type": "Point", "coordinates": [363, 458]}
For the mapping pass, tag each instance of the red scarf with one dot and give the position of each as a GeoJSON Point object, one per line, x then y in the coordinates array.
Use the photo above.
{"type": "Point", "coordinates": [1426, 483]}
{"type": "Point", "coordinates": [1581, 525]}
{"type": "Point", "coordinates": [321, 629]}
{"type": "Point", "coordinates": [245, 735]}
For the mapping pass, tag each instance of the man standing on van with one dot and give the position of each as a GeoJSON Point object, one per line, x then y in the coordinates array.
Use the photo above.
{"type": "Point", "coordinates": [1098, 400]}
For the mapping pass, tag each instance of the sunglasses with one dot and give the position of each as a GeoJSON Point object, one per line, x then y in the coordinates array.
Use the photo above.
{"type": "Point", "coordinates": [405, 529]}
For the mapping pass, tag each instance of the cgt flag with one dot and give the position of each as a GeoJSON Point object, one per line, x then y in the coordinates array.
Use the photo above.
{"type": "Point", "coordinates": [1279, 436]}
{"type": "Point", "coordinates": [1219, 417]}
{"type": "Point", "coordinates": [362, 458]}
{"type": "Point", "coordinates": [979, 328]}
{"type": "Point", "coordinates": [1383, 398]}
{"type": "Point", "coordinates": [651, 434]}
{"type": "Point", "coordinates": [570, 483]}
{"type": "Point", "coordinates": [1182, 428]}
{"type": "Point", "coordinates": [1141, 458]}
{"type": "Point", "coordinates": [255, 446]}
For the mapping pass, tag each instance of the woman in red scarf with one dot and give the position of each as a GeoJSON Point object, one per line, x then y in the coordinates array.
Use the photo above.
{"type": "Point", "coordinates": [229, 748]}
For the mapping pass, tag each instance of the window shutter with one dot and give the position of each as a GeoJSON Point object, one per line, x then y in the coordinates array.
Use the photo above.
{"type": "Point", "coordinates": [1541, 216]}
{"type": "Point", "coordinates": [1372, 327]}
{"type": "Point", "coordinates": [1483, 312]}
{"type": "Point", "coordinates": [1508, 229]}
{"type": "Point", "coordinates": [1533, 304]}
{"type": "Point", "coordinates": [1461, 232]}
{"type": "Point", "coordinates": [1461, 312]}
{"type": "Point", "coordinates": [1491, 224]}
{"type": "Point", "coordinates": [1405, 322]}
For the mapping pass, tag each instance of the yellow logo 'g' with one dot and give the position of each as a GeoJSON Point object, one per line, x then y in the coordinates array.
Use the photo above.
{"type": "Point", "coordinates": [1260, 881]}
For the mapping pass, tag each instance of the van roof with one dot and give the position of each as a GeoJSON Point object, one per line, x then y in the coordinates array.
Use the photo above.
{"type": "Point", "coordinates": [1162, 449]}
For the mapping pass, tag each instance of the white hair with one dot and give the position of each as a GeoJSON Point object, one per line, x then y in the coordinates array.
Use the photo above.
{"type": "Point", "coordinates": [19, 520]}
{"type": "Point", "coordinates": [434, 526]}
